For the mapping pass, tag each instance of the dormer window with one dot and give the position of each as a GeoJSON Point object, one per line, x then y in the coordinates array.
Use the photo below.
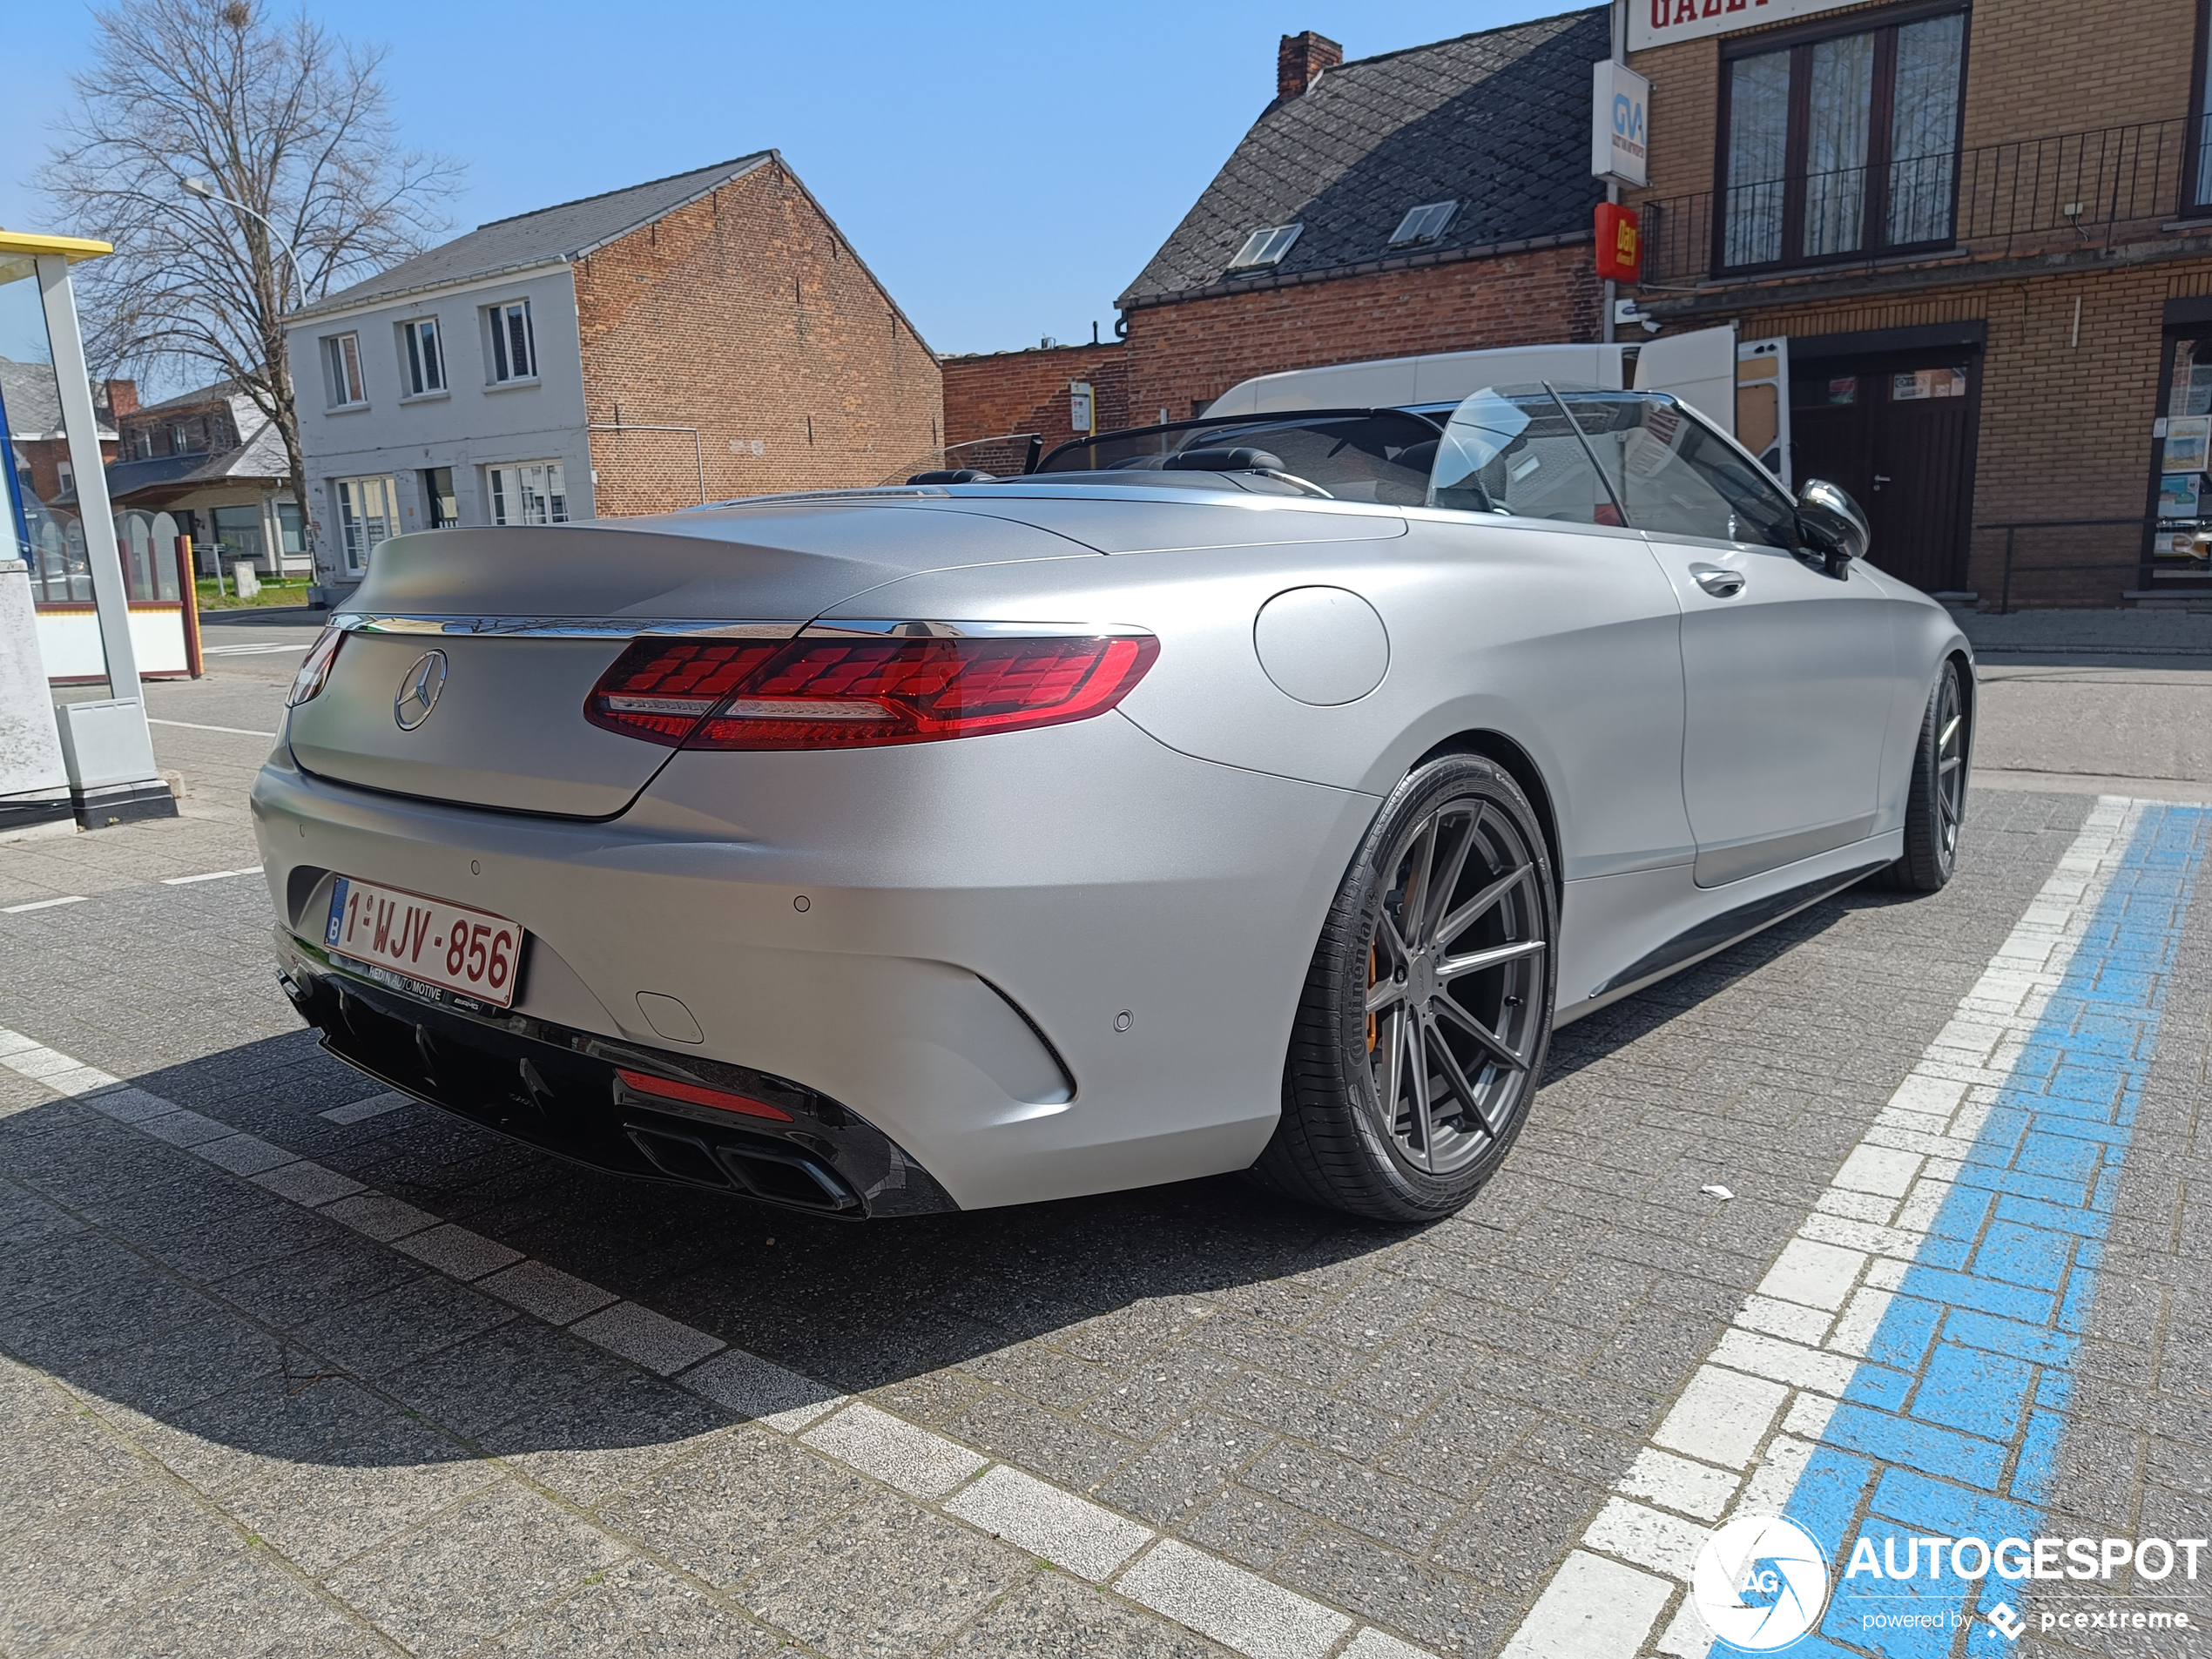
{"type": "Point", "coordinates": [1265, 247]}
{"type": "Point", "coordinates": [1423, 224]}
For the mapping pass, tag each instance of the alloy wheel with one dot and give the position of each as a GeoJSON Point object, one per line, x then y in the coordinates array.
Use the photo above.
{"type": "Point", "coordinates": [1455, 986]}
{"type": "Point", "coordinates": [1951, 763]}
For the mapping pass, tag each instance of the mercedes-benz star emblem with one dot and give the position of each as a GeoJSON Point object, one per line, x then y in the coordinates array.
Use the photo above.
{"type": "Point", "coordinates": [419, 689]}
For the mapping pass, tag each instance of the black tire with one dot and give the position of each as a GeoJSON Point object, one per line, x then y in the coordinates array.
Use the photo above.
{"type": "Point", "coordinates": [1455, 858]}
{"type": "Point", "coordinates": [1936, 805]}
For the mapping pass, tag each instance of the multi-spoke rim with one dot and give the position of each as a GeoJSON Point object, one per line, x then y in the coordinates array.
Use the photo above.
{"type": "Point", "coordinates": [1455, 975]}
{"type": "Point", "coordinates": [1950, 762]}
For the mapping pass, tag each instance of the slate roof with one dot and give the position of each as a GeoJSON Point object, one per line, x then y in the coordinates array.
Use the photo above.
{"type": "Point", "coordinates": [1500, 120]}
{"type": "Point", "coordinates": [562, 232]}
{"type": "Point", "coordinates": [33, 401]}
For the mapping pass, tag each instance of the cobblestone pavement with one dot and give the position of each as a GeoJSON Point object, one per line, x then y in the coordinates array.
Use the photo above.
{"type": "Point", "coordinates": [292, 1366]}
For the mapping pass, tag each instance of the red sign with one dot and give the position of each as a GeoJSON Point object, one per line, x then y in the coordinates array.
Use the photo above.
{"type": "Point", "coordinates": [1620, 244]}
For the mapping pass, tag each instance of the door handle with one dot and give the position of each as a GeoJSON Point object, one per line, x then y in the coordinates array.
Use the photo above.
{"type": "Point", "coordinates": [1722, 584]}
{"type": "Point", "coordinates": [1880, 478]}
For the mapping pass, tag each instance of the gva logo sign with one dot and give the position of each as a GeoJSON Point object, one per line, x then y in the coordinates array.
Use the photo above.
{"type": "Point", "coordinates": [1620, 110]}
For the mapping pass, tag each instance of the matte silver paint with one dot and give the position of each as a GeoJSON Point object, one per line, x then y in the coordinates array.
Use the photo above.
{"type": "Point", "coordinates": [1066, 960]}
{"type": "Point", "coordinates": [1321, 646]}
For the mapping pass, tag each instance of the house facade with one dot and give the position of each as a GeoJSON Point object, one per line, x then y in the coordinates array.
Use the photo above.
{"type": "Point", "coordinates": [700, 337]}
{"type": "Point", "coordinates": [38, 449]}
{"type": "Point", "coordinates": [1437, 199]}
{"type": "Point", "coordinates": [1985, 230]}
{"type": "Point", "coordinates": [1052, 391]}
{"type": "Point", "coordinates": [214, 465]}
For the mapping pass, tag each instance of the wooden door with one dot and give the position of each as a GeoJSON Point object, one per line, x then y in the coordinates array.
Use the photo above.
{"type": "Point", "coordinates": [1898, 433]}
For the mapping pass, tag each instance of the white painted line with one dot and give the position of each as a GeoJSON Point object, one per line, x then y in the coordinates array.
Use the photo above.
{"type": "Point", "coordinates": [1068, 1531]}
{"type": "Point", "coordinates": [378, 1216]}
{"type": "Point", "coordinates": [242, 1154]}
{"type": "Point", "coordinates": [212, 875]}
{"type": "Point", "coordinates": [1232, 1606]}
{"type": "Point", "coordinates": [1593, 1608]}
{"type": "Point", "coordinates": [894, 1450]}
{"type": "Point", "coordinates": [40, 904]}
{"type": "Point", "coordinates": [647, 1339]}
{"type": "Point", "coordinates": [307, 1182]}
{"type": "Point", "coordinates": [194, 725]}
{"type": "Point", "coordinates": [1797, 1340]}
{"type": "Point", "coordinates": [754, 1387]}
{"type": "Point", "coordinates": [458, 1254]}
{"type": "Point", "coordinates": [553, 1296]}
{"type": "Point", "coordinates": [360, 1110]}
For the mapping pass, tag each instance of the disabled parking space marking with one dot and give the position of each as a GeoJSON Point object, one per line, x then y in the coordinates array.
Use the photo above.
{"type": "Point", "coordinates": [1250, 1615]}
{"type": "Point", "coordinates": [1902, 1371]}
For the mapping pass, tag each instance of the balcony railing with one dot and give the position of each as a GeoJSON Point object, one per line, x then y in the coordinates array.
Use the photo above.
{"type": "Point", "coordinates": [2030, 196]}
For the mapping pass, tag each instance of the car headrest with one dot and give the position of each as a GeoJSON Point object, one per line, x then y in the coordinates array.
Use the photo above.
{"type": "Point", "coordinates": [1243, 459]}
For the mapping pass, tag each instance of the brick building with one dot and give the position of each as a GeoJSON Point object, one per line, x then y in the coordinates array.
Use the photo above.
{"type": "Point", "coordinates": [698, 337]}
{"type": "Point", "coordinates": [1985, 232]}
{"type": "Point", "coordinates": [992, 395]}
{"type": "Point", "coordinates": [214, 464]}
{"type": "Point", "coordinates": [1437, 199]}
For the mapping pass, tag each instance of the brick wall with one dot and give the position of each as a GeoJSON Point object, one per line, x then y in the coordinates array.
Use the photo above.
{"type": "Point", "coordinates": [1194, 350]}
{"type": "Point", "coordinates": [747, 317]}
{"type": "Point", "coordinates": [1027, 391]}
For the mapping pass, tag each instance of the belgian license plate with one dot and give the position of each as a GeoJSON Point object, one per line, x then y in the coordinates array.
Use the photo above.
{"type": "Point", "coordinates": [471, 953]}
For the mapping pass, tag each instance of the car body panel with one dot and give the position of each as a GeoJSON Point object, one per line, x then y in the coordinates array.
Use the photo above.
{"type": "Point", "coordinates": [1064, 960]}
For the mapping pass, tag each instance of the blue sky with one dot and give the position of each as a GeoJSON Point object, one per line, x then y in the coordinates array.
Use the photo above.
{"type": "Point", "coordinates": [1005, 169]}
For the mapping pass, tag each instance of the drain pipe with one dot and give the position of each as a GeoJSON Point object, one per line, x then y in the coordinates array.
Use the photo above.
{"type": "Point", "coordinates": [698, 449]}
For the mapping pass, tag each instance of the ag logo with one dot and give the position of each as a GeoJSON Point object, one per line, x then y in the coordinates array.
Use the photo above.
{"type": "Point", "coordinates": [1760, 1582]}
{"type": "Point", "coordinates": [419, 689]}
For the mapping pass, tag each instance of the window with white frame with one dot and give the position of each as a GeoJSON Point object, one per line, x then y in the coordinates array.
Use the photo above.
{"type": "Point", "coordinates": [342, 354]}
{"type": "Point", "coordinates": [1267, 245]}
{"type": "Point", "coordinates": [529, 492]}
{"type": "Point", "coordinates": [364, 518]}
{"type": "Point", "coordinates": [64, 478]}
{"type": "Point", "coordinates": [513, 347]}
{"type": "Point", "coordinates": [423, 362]}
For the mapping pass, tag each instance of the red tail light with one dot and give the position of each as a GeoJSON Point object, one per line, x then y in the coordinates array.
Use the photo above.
{"type": "Point", "coordinates": [314, 671]}
{"type": "Point", "coordinates": [844, 693]}
{"type": "Point", "coordinates": [693, 1094]}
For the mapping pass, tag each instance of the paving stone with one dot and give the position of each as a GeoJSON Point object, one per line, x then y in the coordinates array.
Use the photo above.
{"type": "Point", "coordinates": [356, 1491]}
{"type": "Point", "coordinates": [721, 1513]}
{"type": "Point", "coordinates": [752, 1386]}
{"type": "Point", "coordinates": [1054, 1525]}
{"type": "Point", "coordinates": [612, 1435]}
{"type": "Point", "coordinates": [653, 1340]}
{"type": "Point", "coordinates": [635, 1610]}
{"type": "Point", "coordinates": [395, 1327]}
{"type": "Point", "coordinates": [517, 1370]}
{"type": "Point", "coordinates": [457, 1253]}
{"type": "Point", "coordinates": [473, 1572]}
{"type": "Point", "coordinates": [1445, 1611]}
{"type": "Point", "coordinates": [885, 1580]}
{"type": "Point", "coordinates": [1182, 1471]}
{"type": "Point", "coordinates": [1230, 1605]}
{"type": "Point", "coordinates": [553, 1296]}
{"type": "Point", "coordinates": [94, 1562]}
{"type": "Point", "coordinates": [1055, 1617]}
{"type": "Point", "coordinates": [896, 1453]}
{"type": "Point", "coordinates": [299, 1289]}
{"type": "Point", "coordinates": [250, 1608]}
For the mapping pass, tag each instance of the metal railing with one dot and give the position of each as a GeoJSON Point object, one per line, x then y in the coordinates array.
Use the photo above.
{"type": "Point", "coordinates": [2132, 565]}
{"type": "Point", "coordinates": [2095, 188]}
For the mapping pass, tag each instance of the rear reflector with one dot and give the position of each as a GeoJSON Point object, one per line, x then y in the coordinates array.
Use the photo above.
{"type": "Point", "coordinates": [693, 1095]}
{"type": "Point", "coordinates": [846, 694]}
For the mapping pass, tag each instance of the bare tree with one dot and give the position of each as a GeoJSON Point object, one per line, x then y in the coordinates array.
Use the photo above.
{"type": "Point", "coordinates": [289, 123]}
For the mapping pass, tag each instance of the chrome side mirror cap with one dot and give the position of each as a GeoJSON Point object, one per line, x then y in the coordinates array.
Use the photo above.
{"type": "Point", "coordinates": [1831, 525]}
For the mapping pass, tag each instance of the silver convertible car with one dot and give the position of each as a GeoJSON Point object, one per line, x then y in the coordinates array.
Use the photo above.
{"type": "Point", "coordinates": [1253, 794]}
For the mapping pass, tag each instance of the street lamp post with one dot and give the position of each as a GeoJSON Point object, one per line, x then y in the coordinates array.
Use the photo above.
{"type": "Point", "coordinates": [206, 191]}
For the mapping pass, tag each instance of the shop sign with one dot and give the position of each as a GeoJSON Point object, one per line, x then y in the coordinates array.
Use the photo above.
{"type": "Point", "coordinates": [1620, 244]}
{"type": "Point", "coordinates": [1620, 124]}
{"type": "Point", "coordinates": [1655, 23]}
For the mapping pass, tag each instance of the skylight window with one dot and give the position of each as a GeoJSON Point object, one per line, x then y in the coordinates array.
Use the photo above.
{"type": "Point", "coordinates": [1265, 247]}
{"type": "Point", "coordinates": [1424, 223]}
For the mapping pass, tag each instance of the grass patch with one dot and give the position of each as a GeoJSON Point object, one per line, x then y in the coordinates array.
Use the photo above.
{"type": "Point", "coordinates": [291, 591]}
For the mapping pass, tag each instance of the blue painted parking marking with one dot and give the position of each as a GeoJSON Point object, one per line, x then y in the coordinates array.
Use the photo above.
{"type": "Point", "coordinates": [1988, 1318]}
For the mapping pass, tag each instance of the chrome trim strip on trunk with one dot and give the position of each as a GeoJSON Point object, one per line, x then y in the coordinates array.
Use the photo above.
{"type": "Point", "coordinates": [706, 628]}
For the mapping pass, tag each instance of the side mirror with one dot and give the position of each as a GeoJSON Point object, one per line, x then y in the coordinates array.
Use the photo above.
{"type": "Point", "coordinates": [1831, 525]}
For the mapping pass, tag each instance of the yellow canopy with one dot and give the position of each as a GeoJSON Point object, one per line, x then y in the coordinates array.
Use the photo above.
{"type": "Point", "coordinates": [71, 248]}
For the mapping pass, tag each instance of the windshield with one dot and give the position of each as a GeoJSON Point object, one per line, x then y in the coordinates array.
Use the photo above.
{"type": "Point", "coordinates": [1354, 454]}
{"type": "Point", "coordinates": [1512, 449]}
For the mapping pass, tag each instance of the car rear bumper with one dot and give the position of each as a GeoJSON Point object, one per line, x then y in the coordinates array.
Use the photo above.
{"type": "Point", "coordinates": [1039, 964]}
{"type": "Point", "coordinates": [565, 1091]}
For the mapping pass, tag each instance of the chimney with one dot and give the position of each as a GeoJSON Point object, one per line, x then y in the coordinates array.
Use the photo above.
{"type": "Point", "coordinates": [1299, 61]}
{"type": "Point", "coordinates": [122, 397]}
